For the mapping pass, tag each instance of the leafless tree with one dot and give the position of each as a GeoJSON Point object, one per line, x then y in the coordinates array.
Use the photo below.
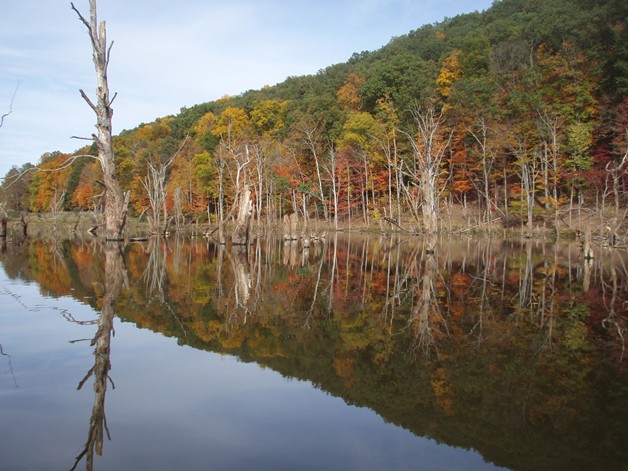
{"type": "Point", "coordinates": [155, 185]}
{"type": "Point", "coordinates": [311, 138]}
{"type": "Point", "coordinates": [330, 168]}
{"type": "Point", "coordinates": [115, 202]}
{"type": "Point", "coordinates": [429, 143]}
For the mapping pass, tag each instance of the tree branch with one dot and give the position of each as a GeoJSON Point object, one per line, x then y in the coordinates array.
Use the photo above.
{"type": "Point", "coordinates": [65, 164]}
{"type": "Point", "coordinates": [85, 22]}
{"type": "Point", "coordinates": [89, 102]}
{"type": "Point", "coordinates": [10, 105]}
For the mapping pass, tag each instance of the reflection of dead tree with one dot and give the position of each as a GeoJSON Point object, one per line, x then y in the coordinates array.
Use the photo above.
{"type": "Point", "coordinates": [426, 309]}
{"type": "Point", "coordinates": [545, 305]}
{"type": "Point", "coordinates": [155, 271]}
{"type": "Point", "coordinates": [242, 287]}
{"type": "Point", "coordinates": [484, 297]}
{"type": "Point", "coordinates": [113, 281]}
{"type": "Point", "coordinates": [612, 320]}
{"type": "Point", "coordinates": [392, 300]}
{"type": "Point", "coordinates": [243, 298]}
{"type": "Point", "coordinates": [310, 311]}
{"type": "Point", "coordinates": [332, 277]}
{"type": "Point", "coordinates": [419, 320]}
{"type": "Point", "coordinates": [3, 353]}
{"type": "Point", "coordinates": [64, 312]}
{"type": "Point", "coordinates": [155, 275]}
{"type": "Point", "coordinates": [526, 280]}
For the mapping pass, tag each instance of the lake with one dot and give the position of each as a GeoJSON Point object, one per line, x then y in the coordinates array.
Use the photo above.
{"type": "Point", "coordinates": [357, 353]}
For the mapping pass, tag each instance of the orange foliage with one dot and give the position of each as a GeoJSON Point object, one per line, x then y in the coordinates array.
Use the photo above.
{"type": "Point", "coordinates": [82, 197]}
{"type": "Point", "coordinates": [349, 94]}
{"type": "Point", "coordinates": [49, 180]}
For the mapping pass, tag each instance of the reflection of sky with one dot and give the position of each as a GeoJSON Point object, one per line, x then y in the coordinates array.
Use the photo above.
{"type": "Point", "coordinates": [178, 408]}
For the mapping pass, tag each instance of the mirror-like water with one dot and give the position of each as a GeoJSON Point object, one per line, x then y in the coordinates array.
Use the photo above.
{"type": "Point", "coordinates": [357, 353]}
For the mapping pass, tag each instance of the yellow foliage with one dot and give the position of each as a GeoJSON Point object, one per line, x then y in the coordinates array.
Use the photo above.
{"type": "Point", "coordinates": [349, 94]}
{"type": "Point", "coordinates": [232, 123]}
{"type": "Point", "coordinates": [450, 72]}
{"type": "Point", "coordinates": [204, 124]}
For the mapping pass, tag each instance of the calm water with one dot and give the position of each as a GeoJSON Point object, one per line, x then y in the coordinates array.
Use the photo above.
{"type": "Point", "coordinates": [359, 353]}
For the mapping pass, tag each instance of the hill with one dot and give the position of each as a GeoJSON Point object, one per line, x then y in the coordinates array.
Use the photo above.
{"type": "Point", "coordinates": [520, 109]}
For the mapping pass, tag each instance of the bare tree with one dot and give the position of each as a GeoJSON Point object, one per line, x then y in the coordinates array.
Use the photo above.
{"type": "Point", "coordinates": [155, 186]}
{"type": "Point", "coordinates": [311, 137]}
{"type": "Point", "coordinates": [617, 172]}
{"type": "Point", "coordinates": [56, 206]}
{"type": "Point", "coordinates": [480, 133]}
{"type": "Point", "coordinates": [115, 202]}
{"type": "Point", "coordinates": [429, 144]}
{"type": "Point", "coordinates": [330, 168]}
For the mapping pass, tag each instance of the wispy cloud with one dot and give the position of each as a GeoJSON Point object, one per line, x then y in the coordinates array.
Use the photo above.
{"type": "Point", "coordinates": [172, 54]}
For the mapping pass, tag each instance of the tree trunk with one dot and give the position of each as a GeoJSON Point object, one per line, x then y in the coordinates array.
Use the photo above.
{"type": "Point", "coordinates": [243, 222]}
{"type": "Point", "coordinates": [116, 203]}
{"type": "Point", "coordinates": [429, 208]}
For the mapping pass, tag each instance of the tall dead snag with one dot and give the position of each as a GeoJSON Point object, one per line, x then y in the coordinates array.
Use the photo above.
{"type": "Point", "coordinates": [116, 203]}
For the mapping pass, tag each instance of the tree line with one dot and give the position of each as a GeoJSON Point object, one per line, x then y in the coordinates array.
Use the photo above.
{"type": "Point", "coordinates": [519, 113]}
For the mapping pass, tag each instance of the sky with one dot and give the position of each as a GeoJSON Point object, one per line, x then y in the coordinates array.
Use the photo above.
{"type": "Point", "coordinates": [170, 54]}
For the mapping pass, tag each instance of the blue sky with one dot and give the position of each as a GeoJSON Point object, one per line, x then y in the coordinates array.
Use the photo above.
{"type": "Point", "coordinates": [169, 54]}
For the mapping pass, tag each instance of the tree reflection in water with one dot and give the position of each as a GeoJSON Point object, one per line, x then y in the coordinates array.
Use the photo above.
{"type": "Point", "coordinates": [515, 348]}
{"type": "Point", "coordinates": [112, 282]}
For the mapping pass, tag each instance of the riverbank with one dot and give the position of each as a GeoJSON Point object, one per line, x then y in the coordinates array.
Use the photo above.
{"type": "Point", "coordinates": [455, 221]}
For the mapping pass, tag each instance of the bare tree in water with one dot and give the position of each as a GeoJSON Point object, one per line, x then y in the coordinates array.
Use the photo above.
{"type": "Point", "coordinates": [115, 202]}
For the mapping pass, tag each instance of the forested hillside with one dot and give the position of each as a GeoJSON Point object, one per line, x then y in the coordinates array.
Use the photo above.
{"type": "Point", "coordinates": [519, 112]}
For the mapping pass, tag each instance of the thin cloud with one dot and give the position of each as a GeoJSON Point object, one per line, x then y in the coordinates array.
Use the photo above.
{"type": "Point", "coordinates": [167, 55]}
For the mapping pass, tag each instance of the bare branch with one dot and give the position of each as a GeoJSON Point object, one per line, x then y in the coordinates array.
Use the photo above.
{"type": "Point", "coordinates": [107, 61]}
{"type": "Point", "coordinates": [85, 22]}
{"type": "Point", "coordinates": [174, 156]}
{"type": "Point", "coordinates": [10, 105]}
{"type": "Point", "coordinates": [65, 164]}
{"type": "Point", "coordinates": [89, 102]}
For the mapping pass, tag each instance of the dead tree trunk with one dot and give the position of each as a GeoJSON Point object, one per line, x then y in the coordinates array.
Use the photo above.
{"type": "Point", "coordinates": [245, 205]}
{"type": "Point", "coordinates": [116, 203]}
{"type": "Point", "coordinates": [243, 222]}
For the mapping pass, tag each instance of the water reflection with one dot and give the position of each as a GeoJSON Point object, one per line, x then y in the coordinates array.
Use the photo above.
{"type": "Point", "coordinates": [112, 282]}
{"type": "Point", "coordinates": [516, 349]}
